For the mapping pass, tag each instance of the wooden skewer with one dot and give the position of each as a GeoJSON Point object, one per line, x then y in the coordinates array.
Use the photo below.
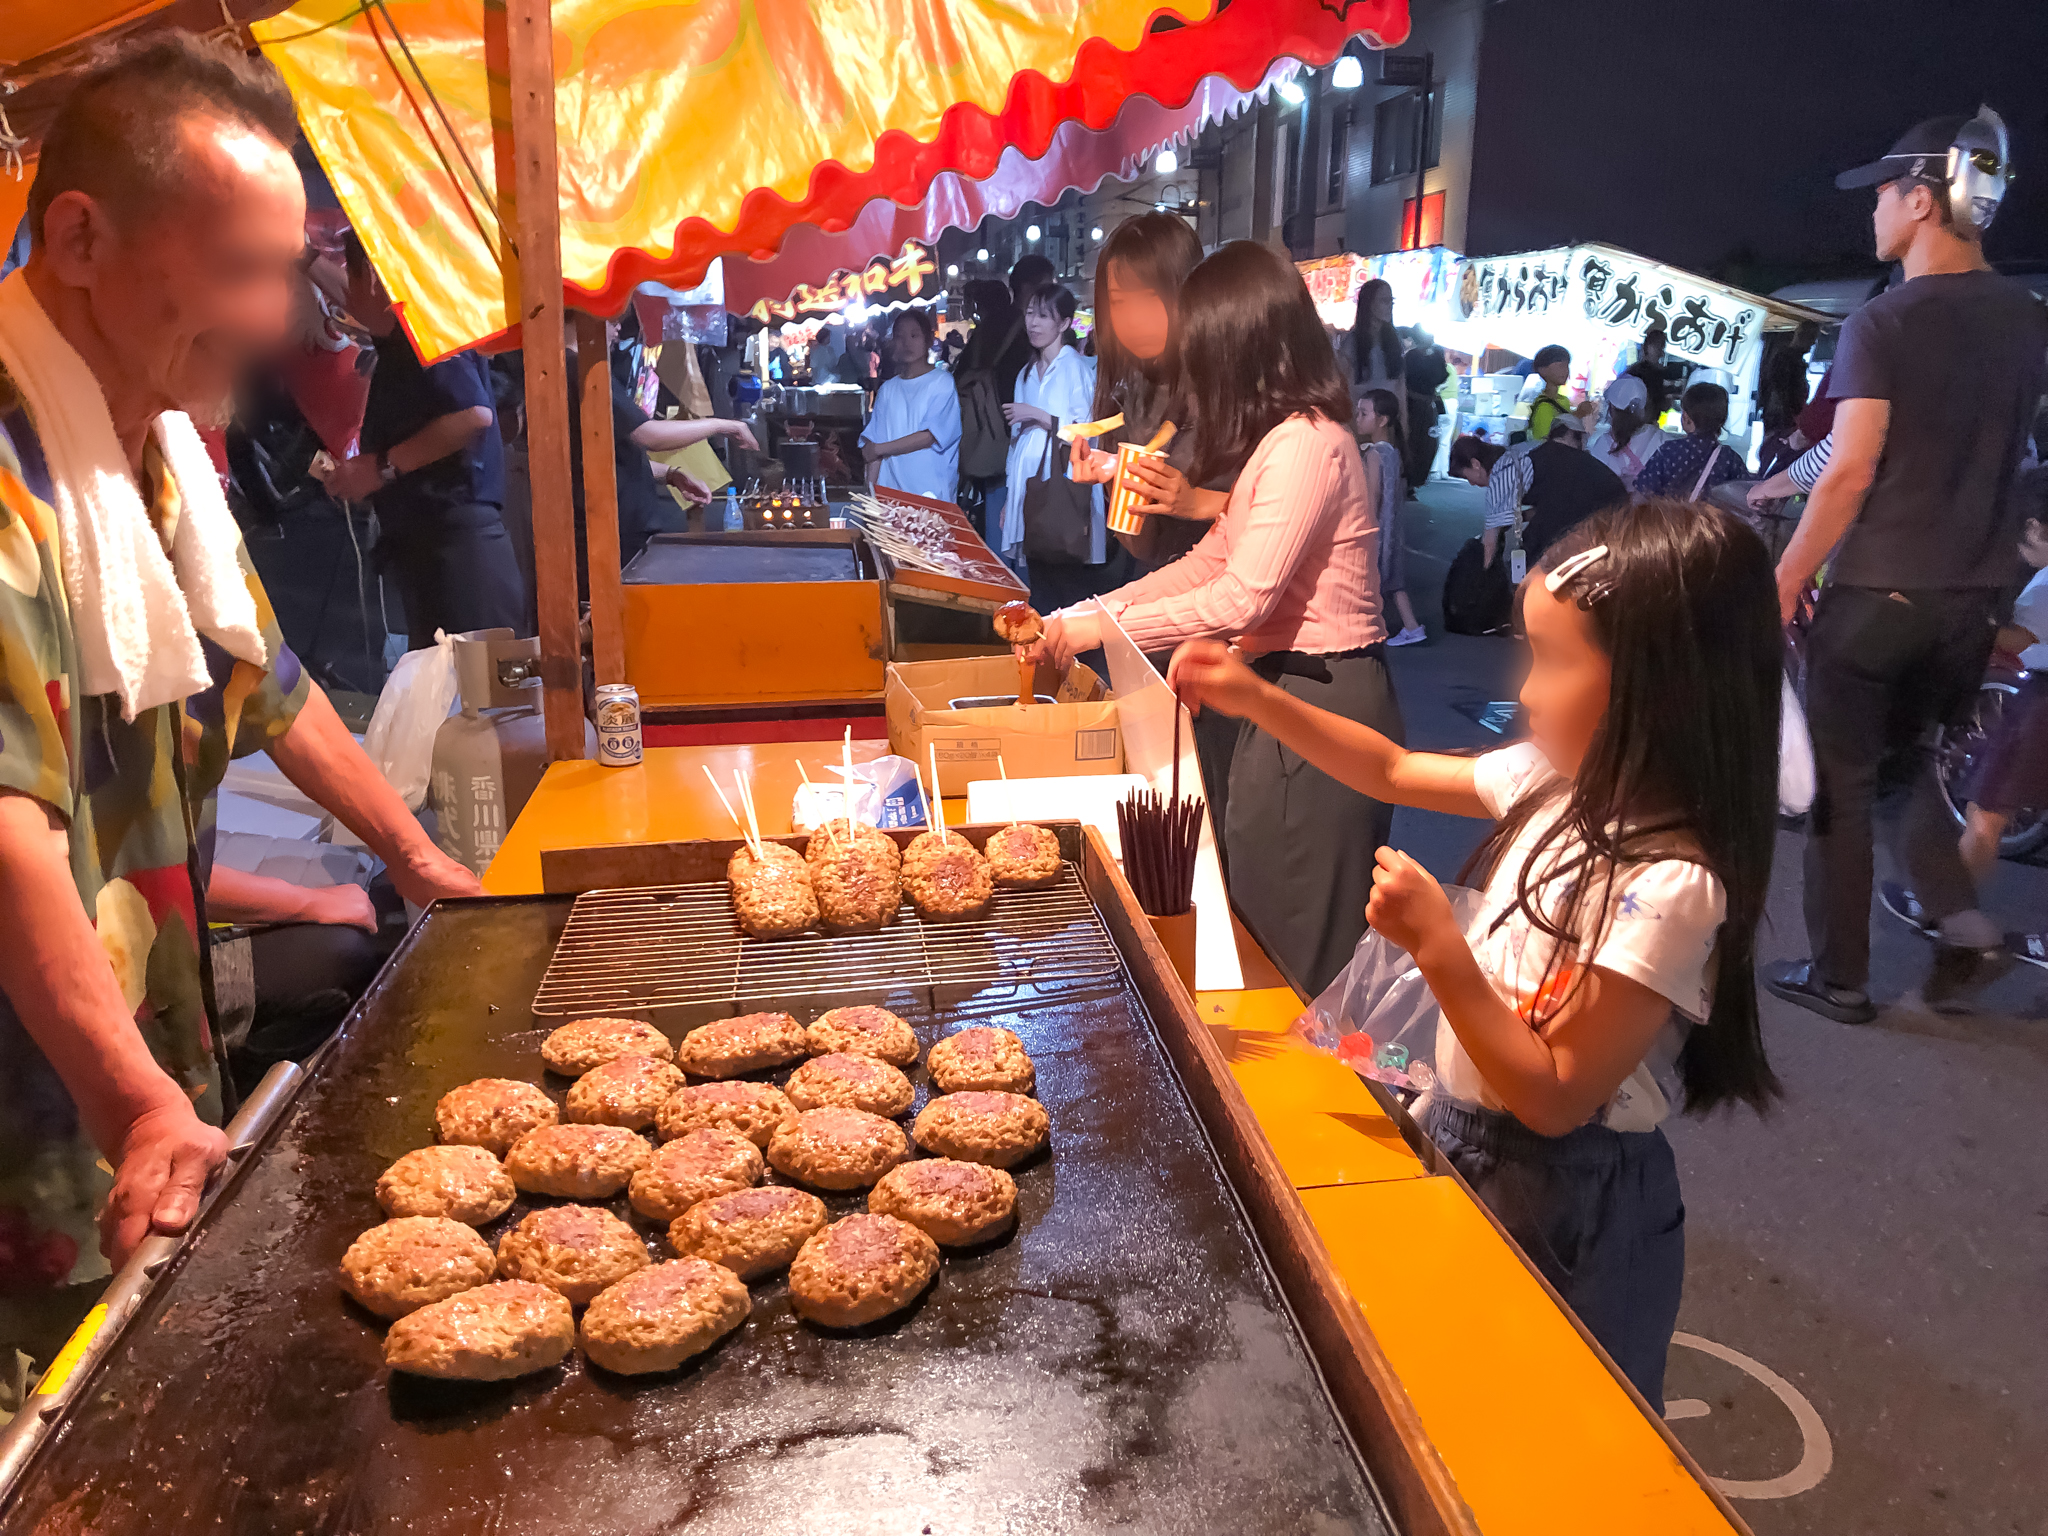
{"type": "Point", "coordinates": [846, 748]}
{"type": "Point", "coordinates": [938, 810]}
{"type": "Point", "coordinates": [1003, 769]}
{"type": "Point", "coordinates": [747, 803]}
{"type": "Point", "coordinates": [728, 807]}
{"type": "Point", "coordinates": [830, 830]}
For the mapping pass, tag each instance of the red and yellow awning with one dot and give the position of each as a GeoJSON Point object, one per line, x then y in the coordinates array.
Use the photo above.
{"type": "Point", "coordinates": [695, 128]}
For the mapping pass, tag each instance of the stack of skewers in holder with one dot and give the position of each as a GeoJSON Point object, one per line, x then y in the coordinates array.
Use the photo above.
{"type": "Point", "coordinates": [1159, 835]}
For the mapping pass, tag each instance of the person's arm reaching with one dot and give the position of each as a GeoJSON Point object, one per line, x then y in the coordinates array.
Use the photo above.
{"type": "Point", "coordinates": [1206, 674]}
{"type": "Point", "coordinates": [320, 757]}
{"type": "Point", "coordinates": [57, 977]}
{"type": "Point", "coordinates": [1859, 433]}
{"type": "Point", "coordinates": [667, 436]}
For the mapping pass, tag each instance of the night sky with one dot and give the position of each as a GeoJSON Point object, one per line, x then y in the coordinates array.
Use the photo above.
{"type": "Point", "coordinates": [1697, 132]}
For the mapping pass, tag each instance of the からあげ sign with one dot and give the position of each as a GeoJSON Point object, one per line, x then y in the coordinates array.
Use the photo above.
{"type": "Point", "coordinates": [883, 281]}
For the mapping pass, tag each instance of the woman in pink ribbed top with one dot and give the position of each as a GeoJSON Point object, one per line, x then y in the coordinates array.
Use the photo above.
{"type": "Point", "coordinates": [1290, 574]}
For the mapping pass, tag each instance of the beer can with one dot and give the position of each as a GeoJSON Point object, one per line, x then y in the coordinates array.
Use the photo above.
{"type": "Point", "coordinates": [618, 725]}
{"type": "Point", "coordinates": [1122, 498]}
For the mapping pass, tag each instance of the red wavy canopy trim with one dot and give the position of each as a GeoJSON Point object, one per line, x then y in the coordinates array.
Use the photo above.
{"type": "Point", "coordinates": [1240, 44]}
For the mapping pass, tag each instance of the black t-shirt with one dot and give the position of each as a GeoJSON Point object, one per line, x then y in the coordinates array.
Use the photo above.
{"type": "Point", "coordinates": [1959, 356]}
{"type": "Point", "coordinates": [1567, 485]}
{"type": "Point", "coordinates": [404, 397]}
{"type": "Point", "coordinates": [640, 494]}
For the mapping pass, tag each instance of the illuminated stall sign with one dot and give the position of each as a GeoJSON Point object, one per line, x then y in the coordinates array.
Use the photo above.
{"type": "Point", "coordinates": [1703, 324]}
{"type": "Point", "coordinates": [887, 280]}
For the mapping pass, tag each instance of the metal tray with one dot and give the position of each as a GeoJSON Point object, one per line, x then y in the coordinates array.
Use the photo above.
{"type": "Point", "coordinates": [1123, 1361]}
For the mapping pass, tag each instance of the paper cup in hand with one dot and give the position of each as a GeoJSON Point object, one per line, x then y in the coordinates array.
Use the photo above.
{"type": "Point", "coordinates": [1123, 501]}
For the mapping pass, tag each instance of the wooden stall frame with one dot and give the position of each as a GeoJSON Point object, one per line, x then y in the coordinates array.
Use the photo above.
{"type": "Point", "coordinates": [537, 220]}
{"type": "Point", "coordinates": [600, 500]}
{"type": "Point", "coordinates": [1420, 1494]}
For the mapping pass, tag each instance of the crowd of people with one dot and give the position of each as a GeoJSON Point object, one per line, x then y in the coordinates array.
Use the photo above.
{"type": "Point", "coordinates": [1609, 978]}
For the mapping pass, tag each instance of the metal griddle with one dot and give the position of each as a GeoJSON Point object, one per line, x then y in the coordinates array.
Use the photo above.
{"type": "Point", "coordinates": [681, 560]}
{"type": "Point", "coordinates": [1122, 1362]}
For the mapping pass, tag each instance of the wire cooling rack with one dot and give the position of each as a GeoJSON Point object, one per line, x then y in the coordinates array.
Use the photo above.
{"type": "Point", "coordinates": [675, 946]}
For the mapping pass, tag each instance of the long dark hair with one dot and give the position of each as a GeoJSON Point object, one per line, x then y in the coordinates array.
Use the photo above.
{"type": "Point", "coordinates": [1685, 605]}
{"type": "Point", "coordinates": [1252, 353]}
{"type": "Point", "coordinates": [1156, 251]}
{"type": "Point", "coordinates": [1367, 332]}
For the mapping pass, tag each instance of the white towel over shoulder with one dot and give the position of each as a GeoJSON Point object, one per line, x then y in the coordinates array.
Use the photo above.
{"type": "Point", "coordinates": [136, 614]}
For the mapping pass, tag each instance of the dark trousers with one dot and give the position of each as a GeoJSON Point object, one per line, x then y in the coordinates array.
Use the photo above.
{"type": "Point", "coordinates": [1883, 670]}
{"type": "Point", "coordinates": [455, 570]}
{"type": "Point", "coordinates": [1301, 845]}
{"type": "Point", "coordinates": [1598, 1213]}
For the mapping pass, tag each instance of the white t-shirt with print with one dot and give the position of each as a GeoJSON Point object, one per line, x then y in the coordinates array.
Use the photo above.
{"type": "Point", "coordinates": [1666, 917]}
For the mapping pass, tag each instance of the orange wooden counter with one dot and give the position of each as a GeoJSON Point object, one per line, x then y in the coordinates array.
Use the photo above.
{"type": "Point", "coordinates": [1540, 1437]}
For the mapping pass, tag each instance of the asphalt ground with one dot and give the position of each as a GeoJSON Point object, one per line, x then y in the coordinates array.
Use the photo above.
{"type": "Point", "coordinates": [1863, 1345]}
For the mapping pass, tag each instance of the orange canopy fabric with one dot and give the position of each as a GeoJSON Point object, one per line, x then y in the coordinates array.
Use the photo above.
{"type": "Point", "coordinates": [691, 129]}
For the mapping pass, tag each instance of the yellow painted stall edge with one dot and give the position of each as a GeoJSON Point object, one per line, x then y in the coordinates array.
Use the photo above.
{"type": "Point", "coordinates": [1542, 1440]}
{"type": "Point", "coordinates": [754, 642]}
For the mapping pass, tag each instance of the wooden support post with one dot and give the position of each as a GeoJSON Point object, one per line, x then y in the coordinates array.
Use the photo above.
{"type": "Point", "coordinates": [600, 500]}
{"type": "Point", "coordinates": [530, 58]}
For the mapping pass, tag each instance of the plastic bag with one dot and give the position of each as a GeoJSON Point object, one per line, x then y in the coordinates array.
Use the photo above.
{"type": "Point", "coordinates": [885, 794]}
{"type": "Point", "coordinates": [417, 697]}
{"type": "Point", "coordinates": [1795, 756]}
{"type": "Point", "coordinates": [1379, 1017]}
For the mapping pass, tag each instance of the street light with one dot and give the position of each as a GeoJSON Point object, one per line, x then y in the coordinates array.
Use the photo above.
{"type": "Point", "coordinates": [1031, 233]}
{"type": "Point", "coordinates": [1167, 163]}
{"type": "Point", "coordinates": [1348, 74]}
{"type": "Point", "coordinates": [1291, 93]}
{"type": "Point", "coordinates": [1095, 233]}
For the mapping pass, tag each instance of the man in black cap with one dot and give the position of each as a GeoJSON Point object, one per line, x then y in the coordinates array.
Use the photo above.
{"type": "Point", "coordinates": [1937, 381]}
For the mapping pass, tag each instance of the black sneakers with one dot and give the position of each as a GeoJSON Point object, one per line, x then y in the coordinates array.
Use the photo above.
{"type": "Point", "coordinates": [1795, 981]}
{"type": "Point", "coordinates": [2032, 948]}
{"type": "Point", "coordinates": [1905, 906]}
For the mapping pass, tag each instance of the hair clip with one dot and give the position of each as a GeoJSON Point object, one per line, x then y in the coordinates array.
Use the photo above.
{"type": "Point", "coordinates": [1577, 565]}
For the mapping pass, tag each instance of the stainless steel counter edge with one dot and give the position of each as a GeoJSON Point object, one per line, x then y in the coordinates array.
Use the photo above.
{"type": "Point", "coordinates": [45, 1410]}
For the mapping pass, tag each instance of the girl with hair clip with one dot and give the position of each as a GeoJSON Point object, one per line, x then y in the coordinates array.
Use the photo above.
{"type": "Point", "coordinates": [1138, 279]}
{"type": "Point", "coordinates": [1608, 974]}
{"type": "Point", "coordinates": [1289, 572]}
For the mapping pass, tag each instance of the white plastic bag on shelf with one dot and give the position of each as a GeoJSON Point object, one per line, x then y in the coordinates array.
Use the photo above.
{"type": "Point", "coordinates": [885, 794]}
{"type": "Point", "coordinates": [416, 699]}
{"type": "Point", "coordinates": [1379, 1017]}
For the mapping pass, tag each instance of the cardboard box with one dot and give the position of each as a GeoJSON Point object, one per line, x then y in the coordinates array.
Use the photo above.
{"type": "Point", "coordinates": [1076, 735]}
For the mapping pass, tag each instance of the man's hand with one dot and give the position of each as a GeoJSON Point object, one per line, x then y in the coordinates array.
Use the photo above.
{"type": "Point", "coordinates": [872, 452]}
{"type": "Point", "coordinates": [694, 490]}
{"type": "Point", "coordinates": [1066, 636]}
{"type": "Point", "coordinates": [355, 479]}
{"type": "Point", "coordinates": [1407, 905]}
{"type": "Point", "coordinates": [743, 435]}
{"type": "Point", "coordinates": [427, 874]}
{"type": "Point", "coordinates": [160, 1171]}
{"type": "Point", "coordinates": [1207, 674]}
{"type": "Point", "coordinates": [1790, 590]}
{"type": "Point", "coordinates": [341, 906]}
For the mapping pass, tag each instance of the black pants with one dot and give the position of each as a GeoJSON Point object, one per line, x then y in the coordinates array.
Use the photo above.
{"type": "Point", "coordinates": [308, 976]}
{"type": "Point", "coordinates": [1301, 844]}
{"type": "Point", "coordinates": [455, 569]}
{"type": "Point", "coordinates": [1598, 1213]}
{"type": "Point", "coordinates": [1883, 670]}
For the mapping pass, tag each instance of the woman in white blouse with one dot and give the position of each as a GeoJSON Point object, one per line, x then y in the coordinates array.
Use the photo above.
{"type": "Point", "coordinates": [1290, 575]}
{"type": "Point", "coordinates": [1056, 387]}
{"type": "Point", "coordinates": [912, 441]}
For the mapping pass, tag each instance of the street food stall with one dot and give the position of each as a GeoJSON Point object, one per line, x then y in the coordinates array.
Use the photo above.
{"type": "Point", "coordinates": [1597, 300]}
{"type": "Point", "coordinates": [1236, 1290]}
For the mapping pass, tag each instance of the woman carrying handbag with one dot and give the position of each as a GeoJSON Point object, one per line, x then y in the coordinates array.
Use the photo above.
{"type": "Point", "coordinates": [1052, 530]}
